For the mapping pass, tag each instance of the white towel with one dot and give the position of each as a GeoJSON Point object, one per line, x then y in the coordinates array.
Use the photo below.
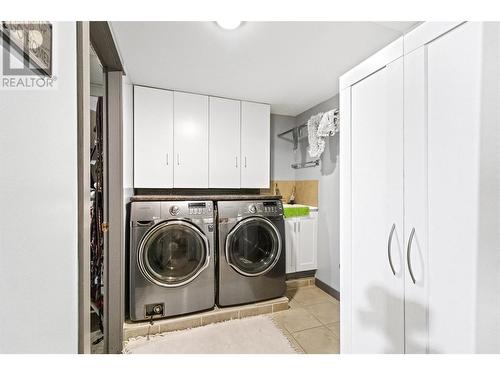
{"type": "Point", "coordinates": [329, 124]}
{"type": "Point", "coordinates": [316, 144]}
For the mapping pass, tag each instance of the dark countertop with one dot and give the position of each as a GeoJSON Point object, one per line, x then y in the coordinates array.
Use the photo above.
{"type": "Point", "coordinates": [216, 197]}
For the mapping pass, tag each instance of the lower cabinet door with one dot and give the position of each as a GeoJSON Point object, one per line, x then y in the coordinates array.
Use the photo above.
{"type": "Point", "coordinates": [307, 244]}
{"type": "Point", "coordinates": [290, 244]}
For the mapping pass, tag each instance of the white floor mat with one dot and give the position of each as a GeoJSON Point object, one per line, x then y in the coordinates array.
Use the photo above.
{"type": "Point", "coordinates": [255, 335]}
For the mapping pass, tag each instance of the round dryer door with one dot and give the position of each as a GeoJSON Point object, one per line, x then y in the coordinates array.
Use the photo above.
{"type": "Point", "coordinates": [173, 253]}
{"type": "Point", "coordinates": [253, 246]}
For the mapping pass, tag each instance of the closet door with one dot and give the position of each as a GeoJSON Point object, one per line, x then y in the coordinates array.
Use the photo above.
{"type": "Point", "coordinates": [153, 138]}
{"type": "Point", "coordinates": [225, 162]}
{"type": "Point", "coordinates": [416, 202]}
{"type": "Point", "coordinates": [377, 212]}
{"type": "Point", "coordinates": [191, 140]}
{"type": "Point", "coordinates": [255, 145]}
{"type": "Point", "coordinates": [455, 73]}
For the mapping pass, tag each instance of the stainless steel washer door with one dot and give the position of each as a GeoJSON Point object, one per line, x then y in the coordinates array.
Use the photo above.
{"type": "Point", "coordinates": [173, 253]}
{"type": "Point", "coordinates": [253, 246]}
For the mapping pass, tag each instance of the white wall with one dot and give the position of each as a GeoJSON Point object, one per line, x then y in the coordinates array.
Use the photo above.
{"type": "Point", "coordinates": [128, 136]}
{"type": "Point", "coordinates": [328, 200]}
{"type": "Point", "coordinates": [329, 189]}
{"type": "Point", "coordinates": [38, 202]}
{"type": "Point", "coordinates": [128, 157]}
{"type": "Point", "coordinates": [281, 150]}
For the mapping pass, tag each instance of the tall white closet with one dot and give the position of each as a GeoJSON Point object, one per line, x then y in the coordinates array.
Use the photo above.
{"type": "Point", "coordinates": [420, 194]}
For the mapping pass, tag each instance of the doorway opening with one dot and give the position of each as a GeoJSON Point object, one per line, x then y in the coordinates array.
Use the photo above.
{"type": "Point", "coordinates": [98, 225]}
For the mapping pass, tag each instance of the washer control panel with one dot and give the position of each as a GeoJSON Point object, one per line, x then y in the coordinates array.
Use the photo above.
{"type": "Point", "coordinates": [271, 208]}
{"type": "Point", "coordinates": [199, 208]}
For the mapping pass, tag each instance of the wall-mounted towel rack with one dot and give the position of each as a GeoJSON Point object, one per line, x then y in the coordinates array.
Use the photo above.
{"type": "Point", "coordinates": [297, 133]}
{"type": "Point", "coordinates": [296, 129]}
{"type": "Point", "coordinates": [307, 164]}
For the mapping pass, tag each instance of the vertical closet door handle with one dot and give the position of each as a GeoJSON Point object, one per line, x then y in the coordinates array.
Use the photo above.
{"type": "Point", "coordinates": [408, 253]}
{"type": "Point", "coordinates": [245, 161]}
{"type": "Point", "coordinates": [167, 159]}
{"type": "Point", "coordinates": [178, 159]}
{"type": "Point", "coordinates": [236, 162]}
{"type": "Point", "coordinates": [389, 243]}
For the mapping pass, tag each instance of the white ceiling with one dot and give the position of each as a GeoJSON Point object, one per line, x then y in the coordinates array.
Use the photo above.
{"type": "Point", "coordinates": [291, 65]}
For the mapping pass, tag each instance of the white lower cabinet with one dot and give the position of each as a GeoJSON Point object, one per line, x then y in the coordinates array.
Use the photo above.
{"type": "Point", "coordinates": [419, 270]}
{"type": "Point", "coordinates": [301, 235]}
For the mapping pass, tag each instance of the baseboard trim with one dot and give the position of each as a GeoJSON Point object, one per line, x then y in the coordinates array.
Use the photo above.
{"type": "Point", "coordinates": [327, 289]}
{"type": "Point", "coordinates": [300, 275]}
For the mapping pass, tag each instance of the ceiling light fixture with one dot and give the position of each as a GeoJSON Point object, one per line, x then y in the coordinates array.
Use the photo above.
{"type": "Point", "coordinates": [228, 25]}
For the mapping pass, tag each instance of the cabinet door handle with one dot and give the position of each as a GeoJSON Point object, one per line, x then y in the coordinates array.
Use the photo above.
{"type": "Point", "coordinates": [389, 243]}
{"type": "Point", "coordinates": [178, 159]}
{"type": "Point", "coordinates": [294, 227]}
{"type": "Point", "coordinates": [236, 162]}
{"type": "Point", "coordinates": [245, 161]}
{"type": "Point", "coordinates": [408, 253]}
{"type": "Point", "coordinates": [167, 159]}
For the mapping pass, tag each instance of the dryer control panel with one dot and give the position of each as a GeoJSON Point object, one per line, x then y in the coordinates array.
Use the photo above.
{"type": "Point", "coordinates": [192, 210]}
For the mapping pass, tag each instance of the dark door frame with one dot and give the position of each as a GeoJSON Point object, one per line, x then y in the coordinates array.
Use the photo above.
{"type": "Point", "coordinates": [99, 34]}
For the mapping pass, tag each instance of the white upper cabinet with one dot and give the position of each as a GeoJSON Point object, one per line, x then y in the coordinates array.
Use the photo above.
{"type": "Point", "coordinates": [255, 145]}
{"type": "Point", "coordinates": [153, 138]}
{"type": "Point", "coordinates": [224, 145]}
{"type": "Point", "coordinates": [191, 140]}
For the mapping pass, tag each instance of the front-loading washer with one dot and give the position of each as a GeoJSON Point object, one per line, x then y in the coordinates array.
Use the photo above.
{"type": "Point", "coordinates": [171, 258]}
{"type": "Point", "coordinates": [251, 244]}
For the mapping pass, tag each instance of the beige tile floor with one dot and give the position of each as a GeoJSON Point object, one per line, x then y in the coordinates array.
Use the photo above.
{"type": "Point", "coordinates": [312, 322]}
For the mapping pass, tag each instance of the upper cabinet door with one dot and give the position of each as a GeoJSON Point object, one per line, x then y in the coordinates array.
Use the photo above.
{"type": "Point", "coordinates": [191, 140]}
{"type": "Point", "coordinates": [224, 160]}
{"type": "Point", "coordinates": [255, 145]}
{"type": "Point", "coordinates": [153, 138]}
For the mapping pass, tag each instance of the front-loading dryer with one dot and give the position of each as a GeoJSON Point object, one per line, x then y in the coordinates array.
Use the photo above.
{"type": "Point", "coordinates": [171, 258]}
{"type": "Point", "coordinates": [251, 259]}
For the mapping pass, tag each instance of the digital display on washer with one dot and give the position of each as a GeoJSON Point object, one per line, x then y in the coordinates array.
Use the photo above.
{"type": "Point", "coordinates": [197, 205]}
{"type": "Point", "coordinates": [270, 204]}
